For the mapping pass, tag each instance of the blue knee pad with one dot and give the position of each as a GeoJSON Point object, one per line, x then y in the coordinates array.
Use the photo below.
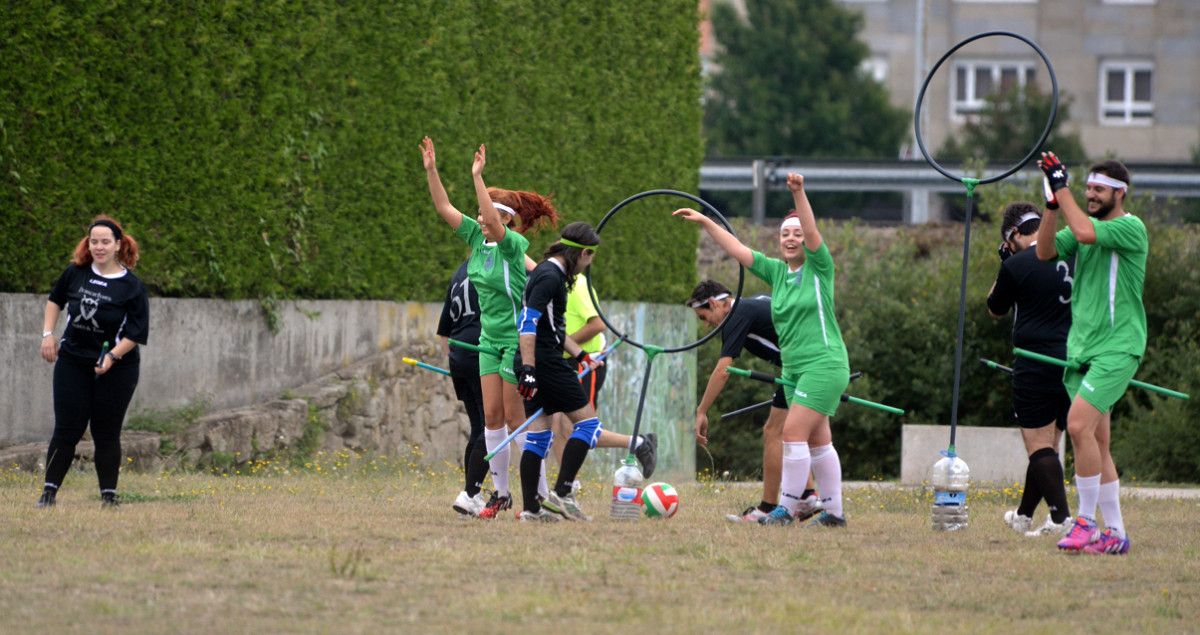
{"type": "Point", "coordinates": [588, 431]}
{"type": "Point", "coordinates": [539, 442]}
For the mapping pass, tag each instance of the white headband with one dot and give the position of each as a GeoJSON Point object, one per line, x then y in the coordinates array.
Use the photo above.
{"type": "Point", "coordinates": [700, 304]}
{"type": "Point", "coordinates": [1027, 216]}
{"type": "Point", "coordinates": [1102, 179]}
{"type": "Point", "coordinates": [790, 221]}
{"type": "Point", "coordinates": [504, 208]}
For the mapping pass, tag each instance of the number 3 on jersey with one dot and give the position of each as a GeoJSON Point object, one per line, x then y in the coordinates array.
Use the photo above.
{"type": "Point", "coordinates": [1066, 274]}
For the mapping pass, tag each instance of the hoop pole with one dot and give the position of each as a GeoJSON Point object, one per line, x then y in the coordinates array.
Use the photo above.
{"type": "Point", "coordinates": [651, 353]}
{"type": "Point", "coordinates": [962, 307]}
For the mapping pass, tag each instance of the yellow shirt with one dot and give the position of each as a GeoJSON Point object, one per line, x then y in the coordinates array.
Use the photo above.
{"type": "Point", "coordinates": [580, 309]}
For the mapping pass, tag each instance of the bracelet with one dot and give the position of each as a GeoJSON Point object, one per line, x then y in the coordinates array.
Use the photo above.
{"type": "Point", "coordinates": [46, 334]}
{"type": "Point", "coordinates": [114, 356]}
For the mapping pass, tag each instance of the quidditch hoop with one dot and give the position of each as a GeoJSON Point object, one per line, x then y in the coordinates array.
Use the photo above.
{"type": "Point", "coordinates": [712, 211]}
{"type": "Point", "coordinates": [1045, 132]}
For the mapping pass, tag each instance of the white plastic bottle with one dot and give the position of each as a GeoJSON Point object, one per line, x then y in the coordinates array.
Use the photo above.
{"type": "Point", "coordinates": [627, 491]}
{"type": "Point", "coordinates": [950, 479]}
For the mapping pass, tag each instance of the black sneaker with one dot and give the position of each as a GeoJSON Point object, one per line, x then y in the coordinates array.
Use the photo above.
{"type": "Point", "coordinates": [647, 454]}
{"type": "Point", "coordinates": [110, 499]}
{"type": "Point", "coordinates": [496, 505]}
{"type": "Point", "coordinates": [47, 498]}
{"type": "Point", "coordinates": [827, 519]}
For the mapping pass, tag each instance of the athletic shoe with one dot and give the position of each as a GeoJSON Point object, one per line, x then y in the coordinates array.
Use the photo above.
{"type": "Point", "coordinates": [1051, 528]}
{"type": "Point", "coordinates": [1082, 533]}
{"type": "Point", "coordinates": [1109, 543]}
{"type": "Point", "coordinates": [542, 515]}
{"type": "Point", "coordinates": [827, 519]}
{"type": "Point", "coordinates": [809, 507]}
{"type": "Point", "coordinates": [752, 515]}
{"type": "Point", "coordinates": [565, 506]}
{"type": "Point", "coordinates": [495, 505]}
{"type": "Point", "coordinates": [1019, 523]}
{"type": "Point", "coordinates": [778, 516]}
{"type": "Point", "coordinates": [110, 499]}
{"type": "Point", "coordinates": [469, 505]}
{"type": "Point", "coordinates": [47, 498]}
{"type": "Point", "coordinates": [647, 454]}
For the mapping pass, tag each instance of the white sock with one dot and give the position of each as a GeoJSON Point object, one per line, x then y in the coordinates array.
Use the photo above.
{"type": "Point", "coordinates": [1089, 491]}
{"type": "Point", "coordinates": [499, 463]}
{"type": "Point", "coordinates": [827, 472]}
{"type": "Point", "coordinates": [543, 487]}
{"type": "Point", "coordinates": [1110, 507]}
{"type": "Point", "coordinates": [796, 465]}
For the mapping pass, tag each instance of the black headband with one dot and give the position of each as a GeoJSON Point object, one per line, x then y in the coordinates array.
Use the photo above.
{"type": "Point", "coordinates": [109, 224]}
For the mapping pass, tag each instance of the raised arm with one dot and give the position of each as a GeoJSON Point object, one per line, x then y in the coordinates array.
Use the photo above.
{"type": "Point", "coordinates": [725, 240]}
{"type": "Point", "coordinates": [1057, 177]}
{"type": "Point", "coordinates": [487, 210]}
{"type": "Point", "coordinates": [808, 221]}
{"type": "Point", "coordinates": [441, 202]}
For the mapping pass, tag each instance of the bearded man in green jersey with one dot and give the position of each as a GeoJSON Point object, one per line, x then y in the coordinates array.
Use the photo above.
{"type": "Point", "coordinates": [1107, 337]}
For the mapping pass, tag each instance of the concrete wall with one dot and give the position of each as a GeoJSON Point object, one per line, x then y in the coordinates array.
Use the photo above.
{"type": "Point", "coordinates": [995, 455]}
{"type": "Point", "coordinates": [223, 352]}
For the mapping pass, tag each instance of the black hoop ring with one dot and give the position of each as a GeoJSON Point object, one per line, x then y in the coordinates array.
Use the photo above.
{"type": "Point", "coordinates": [1045, 133]}
{"type": "Point", "coordinates": [713, 212]}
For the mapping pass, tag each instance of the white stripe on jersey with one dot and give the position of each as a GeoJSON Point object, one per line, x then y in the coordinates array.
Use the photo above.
{"type": "Point", "coordinates": [508, 290]}
{"type": "Point", "coordinates": [820, 309]}
{"type": "Point", "coordinates": [764, 341]}
{"type": "Point", "coordinates": [1112, 290]}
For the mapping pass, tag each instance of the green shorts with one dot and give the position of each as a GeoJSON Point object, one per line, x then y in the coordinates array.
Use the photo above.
{"type": "Point", "coordinates": [818, 389]}
{"type": "Point", "coordinates": [503, 364]}
{"type": "Point", "coordinates": [1106, 380]}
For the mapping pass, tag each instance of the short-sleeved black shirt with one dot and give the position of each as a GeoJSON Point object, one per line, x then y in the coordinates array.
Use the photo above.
{"type": "Point", "coordinates": [101, 309]}
{"type": "Point", "coordinates": [546, 293]}
{"type": "Point", "coordinates": [460, 321]}
{"type": "Point", "coordinates": [1040, 294]}
{"type": "Point", "coordinates": [749, 327]}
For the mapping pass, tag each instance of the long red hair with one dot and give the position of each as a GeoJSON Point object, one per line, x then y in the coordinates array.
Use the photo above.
{"type": "Point", "coordinates": [127, 251]}
{"type": "Point", "coordinates": [536, 211]}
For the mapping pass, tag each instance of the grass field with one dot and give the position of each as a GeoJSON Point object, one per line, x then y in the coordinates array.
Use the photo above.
{"type": "Point", "coordinates": [358, 545]}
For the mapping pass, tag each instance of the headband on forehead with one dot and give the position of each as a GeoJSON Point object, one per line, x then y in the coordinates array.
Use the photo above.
{"type": "Point", "coordinates": [1027, 216]}
{"type": "Point", "coordinates": [700, 304]}
{"type": "Point", "coordinates": [109, 224]}
{"type": "Point", "coordinates": [790, 221]}
{"type": "Point", "coordinates": [504, 208]}
{"type": "Point", "coordinates": [1095, 178]}
{"type": "Point", "coordinates": [570, 243]}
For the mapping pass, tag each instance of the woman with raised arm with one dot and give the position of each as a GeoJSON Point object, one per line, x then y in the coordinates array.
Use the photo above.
{"type": "Point", "coordinates": [497, 269]}
{"type": "Point", "coordinates": [811, 348]}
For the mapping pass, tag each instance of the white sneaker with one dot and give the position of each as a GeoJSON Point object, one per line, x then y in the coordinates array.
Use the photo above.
{"type": "Point", "coordinates": [1051, 528]}
{"type": "Point", "coordinates": [543, 515]}
{"type": "Point", "coordinates": [469, 505]}
{"type": "Point", "coordinates": [809, 507]}
{"type": "Point", "coordinates": [1018, 522]}
{"type": "Point", "coordinates": [565, 506]}
{"type": "Point", "coordinates": [751, 515]}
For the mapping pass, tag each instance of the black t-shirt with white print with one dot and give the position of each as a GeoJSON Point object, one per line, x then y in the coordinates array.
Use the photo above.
{"type": "Point", "coordinates": [546, 293]}
{"type": "Point", "coordinates": [101, 309]}
{"type": "Point", "coordinates": [460, 321]}
{"type": "Point", "coordinates": [749, 327]}
{"type": "Point", "coordinates": [1039, 292]}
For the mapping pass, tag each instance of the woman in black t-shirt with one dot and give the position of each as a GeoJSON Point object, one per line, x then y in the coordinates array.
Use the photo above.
{"type": "Point", "coordinates": [96, 359]}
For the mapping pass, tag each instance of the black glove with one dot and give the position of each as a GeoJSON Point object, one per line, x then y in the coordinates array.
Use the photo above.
{"type": "Point", "coordinates": [1004, 251]}
{"type": "Point", "coordinates": [1055, 171]}
{"type": "Point", "coordinates": [527, 381]}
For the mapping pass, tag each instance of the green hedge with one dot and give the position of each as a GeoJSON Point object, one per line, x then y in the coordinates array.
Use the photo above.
{"type": "Point", "coordinates": [269, 149]}
{"type": "Point", "coordinates": [897, 297]}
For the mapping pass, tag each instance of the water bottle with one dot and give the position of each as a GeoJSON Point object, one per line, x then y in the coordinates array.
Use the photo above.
{"type": "Point", "coordinates": [627, 491]}
{"type": "Point", "coordinates": [950, 480]}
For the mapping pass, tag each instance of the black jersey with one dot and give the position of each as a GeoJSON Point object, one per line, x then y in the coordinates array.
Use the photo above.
{"type": "Point", "coordinates": [749, 327]}
{"type": "Point", "coordinates": [460, 321]}
{"type": "Point", "coordinates": [545, 300]}
{"type": "Point", "coordinates": [101, 309]}
{"type": "Point", "coordinates": [1040, 294]}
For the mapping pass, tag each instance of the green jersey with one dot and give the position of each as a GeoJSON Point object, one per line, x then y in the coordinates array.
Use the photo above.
{"type": "Point", "coordinates": [1107, 315]}
{"type": "Point", "coordinates": [497, 271]}
{"type": "Point", "coordinates": [802, 310]}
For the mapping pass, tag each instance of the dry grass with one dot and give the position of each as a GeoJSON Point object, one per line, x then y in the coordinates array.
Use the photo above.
{"type": "Point", "coordinates": [372, 546]}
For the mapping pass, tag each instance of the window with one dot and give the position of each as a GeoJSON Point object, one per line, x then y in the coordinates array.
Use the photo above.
{"type": "Point", "coordinates": [1126, 93]}
{"type": "Point", "coordinates": [974, 81]}
{"type": "Point", "coordinates": [876, 68]}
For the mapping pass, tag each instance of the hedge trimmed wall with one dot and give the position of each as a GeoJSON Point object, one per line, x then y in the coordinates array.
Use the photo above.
{"type": "Point", "coordinates": [269, 149]}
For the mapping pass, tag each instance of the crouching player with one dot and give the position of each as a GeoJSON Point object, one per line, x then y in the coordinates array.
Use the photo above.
{"type": "Point", "coordinates": [548, 381]}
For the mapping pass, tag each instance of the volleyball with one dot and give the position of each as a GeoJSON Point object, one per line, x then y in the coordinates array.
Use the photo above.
{"type": "Point", "coordinates": [660, 500]}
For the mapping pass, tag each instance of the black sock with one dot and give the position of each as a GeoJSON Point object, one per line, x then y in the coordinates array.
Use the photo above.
{"type": "Point", "coordinates": [1033, 492]}
{"type": "Point", "coordinates": [573, 455]}
{"type": "Point", "coordinates": [1046, 468]}
{"type": "Point", "coordinates": [767, 508]}
{"type": "Point", "coordinates": [476, 467]}
{"type": "Point", "coordinates": [531, 472]}
{"type": "Point", "coordinates": [58, 462]}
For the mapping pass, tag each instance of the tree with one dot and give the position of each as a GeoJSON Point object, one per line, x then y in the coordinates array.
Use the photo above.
{"type": "Point", "coordinates": [790, 83]}
{"type": "Point", "coordinates": [1010, 122]}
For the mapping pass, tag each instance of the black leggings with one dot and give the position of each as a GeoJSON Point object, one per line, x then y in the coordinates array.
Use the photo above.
{"type": "Point", "coordinates": [81, 397]}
